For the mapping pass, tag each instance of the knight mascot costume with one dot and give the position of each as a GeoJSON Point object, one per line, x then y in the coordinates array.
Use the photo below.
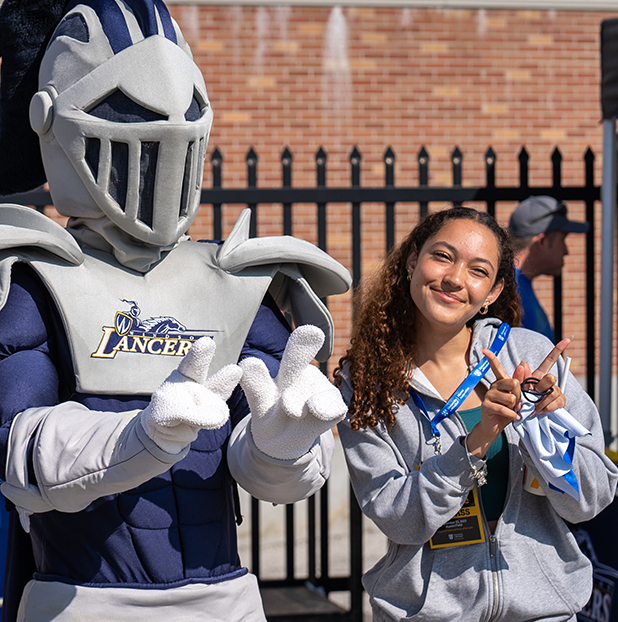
{"type": "Point", "coordinates": [142, 374]}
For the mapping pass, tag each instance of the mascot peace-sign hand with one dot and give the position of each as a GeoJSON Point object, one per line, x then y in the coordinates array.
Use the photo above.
{"type": "Point", "coordinates": [290, 412]}
{"type": "Point", "coordinates": [188, 400]}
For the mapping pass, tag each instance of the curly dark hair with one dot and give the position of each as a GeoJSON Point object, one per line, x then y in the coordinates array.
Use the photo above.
{"type": "Point", "coordinates": [383, 342]}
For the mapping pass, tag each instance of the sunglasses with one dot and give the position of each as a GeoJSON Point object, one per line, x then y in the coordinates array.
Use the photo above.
{"type": "Point", "coordinates": [530, 392]}
{"type": "Point", "coordinates": [561, 210]}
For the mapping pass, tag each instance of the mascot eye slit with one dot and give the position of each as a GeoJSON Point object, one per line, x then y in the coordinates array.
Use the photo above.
{"type": "Point", "coordinates": [120, 108]}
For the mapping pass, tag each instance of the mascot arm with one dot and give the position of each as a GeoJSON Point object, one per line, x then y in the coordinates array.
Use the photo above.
{"type": "Point", "coordinates": [64, 457]}
{"type": "Point", "coordinates": [76, 455]}
{"type": "Point", "coordinates": [28, 376]}
{"type": "Point", "coordinates": [282, 452]}
{"type": "Point", "coordinates": [274, 480]}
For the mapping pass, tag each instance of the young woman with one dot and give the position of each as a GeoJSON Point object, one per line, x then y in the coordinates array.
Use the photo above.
{"type": "Point", "coordinates": [474, 533]}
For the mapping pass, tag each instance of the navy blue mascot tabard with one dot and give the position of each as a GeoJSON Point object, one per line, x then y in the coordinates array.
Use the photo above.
{"type": "Point", "coordinates": [142, 374]}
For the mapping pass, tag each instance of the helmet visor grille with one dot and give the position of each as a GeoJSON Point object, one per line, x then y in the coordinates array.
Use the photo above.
{"type": "Point", "coordinates": [148, 173]}
{"type": "Point", "coordinates": [119, 173]}
{"type": "Point", "coordinates": [93, 150]}
{"type": "Point", "coordinates": [186, 181]}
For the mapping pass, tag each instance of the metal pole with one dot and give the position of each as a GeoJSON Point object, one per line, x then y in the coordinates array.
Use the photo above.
{"type": "Point", "coordinates": [608, 201]}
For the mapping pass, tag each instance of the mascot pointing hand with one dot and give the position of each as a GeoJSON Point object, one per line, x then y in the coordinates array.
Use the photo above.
{"type": "Point", "coordinates": [142, 374]}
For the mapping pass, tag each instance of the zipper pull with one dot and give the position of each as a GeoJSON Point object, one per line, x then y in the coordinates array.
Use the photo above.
{"type": "Point", "coordinates": [492, 546]}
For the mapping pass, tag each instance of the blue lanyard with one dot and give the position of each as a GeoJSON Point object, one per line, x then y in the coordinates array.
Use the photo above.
{"type": "Point", "coordinates": [467, 386]}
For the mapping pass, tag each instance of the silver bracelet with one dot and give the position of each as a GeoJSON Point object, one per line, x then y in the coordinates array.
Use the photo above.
{"type": "Point", "coordinates": [479, 474]}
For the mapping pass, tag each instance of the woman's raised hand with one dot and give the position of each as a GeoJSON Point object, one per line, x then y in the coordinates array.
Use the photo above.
{"type": "Point", "coordinates": [500, 405]}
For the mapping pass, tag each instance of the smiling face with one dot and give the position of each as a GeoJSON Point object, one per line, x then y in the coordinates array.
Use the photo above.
{"type": "Point", "coordinates": [454, 273]}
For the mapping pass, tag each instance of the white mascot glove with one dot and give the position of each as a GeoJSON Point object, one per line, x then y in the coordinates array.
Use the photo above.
{"type": "Point", "coordinates": [188, 400]}
{"type": "Point", "coordinates": [289, 413]}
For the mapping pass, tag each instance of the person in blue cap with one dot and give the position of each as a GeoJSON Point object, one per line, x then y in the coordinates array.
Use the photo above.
{"type": "Point", "coordinates": [539, 227]}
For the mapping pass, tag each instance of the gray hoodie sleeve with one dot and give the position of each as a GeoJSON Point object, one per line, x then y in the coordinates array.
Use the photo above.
{"type": "Point", "coordinates": [407, 503]}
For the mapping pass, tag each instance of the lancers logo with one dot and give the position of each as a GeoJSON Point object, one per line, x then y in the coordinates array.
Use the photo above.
{"type": "Point", "coordinates": [163, 335]}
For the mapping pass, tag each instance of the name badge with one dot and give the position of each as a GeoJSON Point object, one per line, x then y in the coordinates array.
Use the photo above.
{"type": "Point", "coordinates": [466, 527]}
{"type": "Point", "coordinates": [531, 483]}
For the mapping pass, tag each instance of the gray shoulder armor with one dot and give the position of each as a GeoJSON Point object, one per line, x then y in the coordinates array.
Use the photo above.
{"type": "Point", "coordinates": [306, 274]}
{"type": "Point", "coordinates": [25, 227]}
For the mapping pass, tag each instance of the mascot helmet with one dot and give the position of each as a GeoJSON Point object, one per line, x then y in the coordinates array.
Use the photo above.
{"type": "Point", "coordinates": [123, 118]}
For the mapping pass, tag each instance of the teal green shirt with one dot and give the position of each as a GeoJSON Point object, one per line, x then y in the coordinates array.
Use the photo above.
{"type": "Point", "coordinates": [493, 493]}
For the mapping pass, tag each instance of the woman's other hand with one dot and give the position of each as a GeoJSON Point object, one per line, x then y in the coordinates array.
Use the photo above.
{"type": "Point", "coordinates": [546, 382]}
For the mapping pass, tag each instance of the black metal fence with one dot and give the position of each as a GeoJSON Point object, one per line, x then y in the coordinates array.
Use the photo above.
{"type": "Point", "coordinates": [423, 194]}
{"type": "Point", "coordinates": [318, 576]}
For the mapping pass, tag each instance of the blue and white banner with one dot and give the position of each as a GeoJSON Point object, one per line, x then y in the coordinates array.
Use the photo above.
{"type": "Point", "coordinates": [550, 441]}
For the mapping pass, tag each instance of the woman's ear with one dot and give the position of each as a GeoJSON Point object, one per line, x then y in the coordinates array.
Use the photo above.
{"type": "Point", "coordinates": [411, 262]}
{"type": "Point", "coordinates": [496, 291]}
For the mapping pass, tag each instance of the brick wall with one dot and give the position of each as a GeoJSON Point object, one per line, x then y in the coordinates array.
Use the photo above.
{"type": "Point", "coordinates": [307, 77]}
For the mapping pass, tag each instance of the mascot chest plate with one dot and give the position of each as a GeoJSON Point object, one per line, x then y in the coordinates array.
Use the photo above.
{"type": "Point", "coordinates": [127, 331]}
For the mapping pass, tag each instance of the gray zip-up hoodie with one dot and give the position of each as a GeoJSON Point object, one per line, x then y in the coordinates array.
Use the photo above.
{"type": "Point", "coordinates": [531, 568]}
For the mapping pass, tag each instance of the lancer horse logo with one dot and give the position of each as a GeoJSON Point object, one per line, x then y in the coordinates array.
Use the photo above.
{"type": "Point", "coordinates": [161, 335]}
